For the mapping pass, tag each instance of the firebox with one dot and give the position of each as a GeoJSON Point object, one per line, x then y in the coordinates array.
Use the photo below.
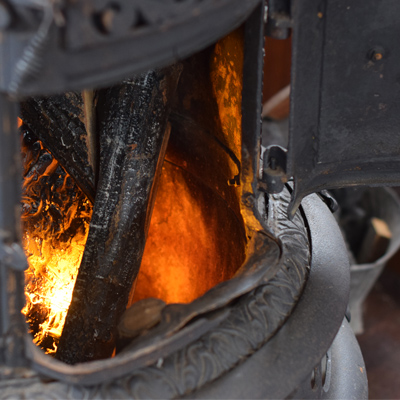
{"type": "Point", "coordinates": [163, 252]}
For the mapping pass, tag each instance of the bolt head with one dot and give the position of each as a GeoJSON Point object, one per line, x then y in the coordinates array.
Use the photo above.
{"type": "Point", "coordinates": [376, 54]}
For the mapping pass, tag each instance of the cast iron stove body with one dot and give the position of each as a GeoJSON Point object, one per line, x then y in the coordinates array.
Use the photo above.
{"type": "Point", "coordinates": [263, 332]}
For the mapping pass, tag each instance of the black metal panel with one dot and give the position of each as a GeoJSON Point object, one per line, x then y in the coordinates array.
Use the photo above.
{"type": "Point", "coordinates": [345, 100]}
{"type": "Point", "coordinates": [251, 121]}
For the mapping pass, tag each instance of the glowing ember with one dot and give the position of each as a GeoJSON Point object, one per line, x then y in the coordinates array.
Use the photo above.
{"type": "Point", "coordinates": [188, 249]}
{"type": "Point", "coordinates": [56, 216]}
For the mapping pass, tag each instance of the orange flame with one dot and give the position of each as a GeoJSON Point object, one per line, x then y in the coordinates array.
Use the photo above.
{"type": "Point", "coordinates": [194, 241]}
{"type": "Point", "coordinates": [55, 218]}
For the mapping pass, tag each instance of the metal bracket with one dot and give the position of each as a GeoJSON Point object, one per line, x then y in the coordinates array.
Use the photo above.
{"type": "Point", "coordinates": [329, 200]}
{"type": "Point", "coordinates": [344, 101]}
{"type": "Point", "coordinates": [279, 20]}
{"type": "Point", "coordinates": [274, 170]}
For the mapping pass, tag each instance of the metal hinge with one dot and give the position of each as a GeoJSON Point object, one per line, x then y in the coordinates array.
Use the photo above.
{"type": "Point", "coordinates": [274, 170]}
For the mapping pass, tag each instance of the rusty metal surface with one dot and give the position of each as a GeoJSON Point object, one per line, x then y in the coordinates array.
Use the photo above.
{"type": "Point", "coordinates": [251, 121]}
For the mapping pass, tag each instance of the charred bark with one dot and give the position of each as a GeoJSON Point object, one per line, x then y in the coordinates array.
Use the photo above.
{"type": "Point", "coordinates": [132, 120]}
{"type": "Point", "coordinates": [59, 123]}
{"type": "Point", "coordinates": [54, 210]}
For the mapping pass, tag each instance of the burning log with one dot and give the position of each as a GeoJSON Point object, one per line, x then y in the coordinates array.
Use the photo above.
{"type": "Point", "coordinates": [59, 122]}
{"type": "Point", "coordinates": [131, 120]}
{"type": "Point", "coordinates": [55, 220]}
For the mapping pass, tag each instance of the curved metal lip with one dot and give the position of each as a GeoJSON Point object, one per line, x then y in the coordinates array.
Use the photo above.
{"type": "Point", "coordinates": [288, 357]}
{"type": "Point", "coordinates": [250, 312]}
{"type": "Point", "coordinates": [176, 328]}
{"type": "Point", "coordinates": [104, 63]}
{"type": "Point", "coordinates": [181, 324]}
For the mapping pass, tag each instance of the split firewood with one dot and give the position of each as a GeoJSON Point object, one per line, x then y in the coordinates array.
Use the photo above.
{"type": "Point", "coordinates": [132, 119]}
{"type": "Point", "coordinates": [89, 108]}
{"type": "Point", "coordinates": [137, 319]}
{"type": "Point", "coordinates": [59, 123]}
{"type": "Point", "coordinates": [141, 316]}
{"type": "Point", "coordinates": [278, 106]}
{"type": "Point", "coordinates": [376, 241]}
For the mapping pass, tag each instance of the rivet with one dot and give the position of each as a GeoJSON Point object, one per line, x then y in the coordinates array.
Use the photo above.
{"type": "Point", "coordinates": [376, 54]}
{"type": "Point", "coordinates": [106, 18]}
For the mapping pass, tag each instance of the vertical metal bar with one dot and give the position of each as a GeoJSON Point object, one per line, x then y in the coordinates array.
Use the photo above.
{"type": "Point", "coordinates": [10, 176]}
{"type": "Point", "coordinates": [251, 115]}
{"type": "Point", "coordinates": [12, 258]}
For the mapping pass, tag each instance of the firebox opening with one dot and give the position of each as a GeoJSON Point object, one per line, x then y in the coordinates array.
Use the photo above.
{"type": "Point", "coordinates": [196, 237]}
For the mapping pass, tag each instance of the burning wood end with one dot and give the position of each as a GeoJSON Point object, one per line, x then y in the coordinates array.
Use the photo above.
{"type": "Point", "coordinates": [56, 216]}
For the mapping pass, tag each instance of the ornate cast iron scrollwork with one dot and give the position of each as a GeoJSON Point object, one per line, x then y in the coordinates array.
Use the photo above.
{"type": "Point", "coordinates": [242, 327]}
{"type": "Point", "coordinates": [60, 46]}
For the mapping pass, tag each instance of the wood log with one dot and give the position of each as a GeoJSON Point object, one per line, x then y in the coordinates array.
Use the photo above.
{"type": "Point", "coordinates": [375, 242]}
{"type": "Point", "coordinates": [132, 119]}
{"type": "Point", "coordinates": [54, 210]}
{"type": "Point", "coordinates": [89, 108]}
{"type": "Point", "coordinates": [59, 123]}
{"type": "Point", "coordinates": [278, 106]}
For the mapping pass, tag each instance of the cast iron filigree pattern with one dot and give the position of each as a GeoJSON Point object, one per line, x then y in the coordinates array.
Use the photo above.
{"type": "Point", "coordinates": [72, 45]}
{"type": "Point", "coordinates": [252, 321]}
{"type": "Point", "coordinates": [108, 21]}
{"type": "Point", "coordinates": [141, 14]}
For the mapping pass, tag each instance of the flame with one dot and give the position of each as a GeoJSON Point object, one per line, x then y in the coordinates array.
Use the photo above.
{"type": "Point", "coordinates": [194, 241]}
{"type": "Point", "coordinates": [226, 72]}
{"type": "Point", "coordinates": [55, 217]}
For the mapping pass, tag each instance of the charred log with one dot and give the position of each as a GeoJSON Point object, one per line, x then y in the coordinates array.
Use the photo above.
{"type": "Point", "coordinates": [89, 108]}
{"type": "Point", "coordinates": [59, 123]}
{"type": "Point", "coordinates": [132, 120]}
{"type": "Point", "coordinates": [54, 211]}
